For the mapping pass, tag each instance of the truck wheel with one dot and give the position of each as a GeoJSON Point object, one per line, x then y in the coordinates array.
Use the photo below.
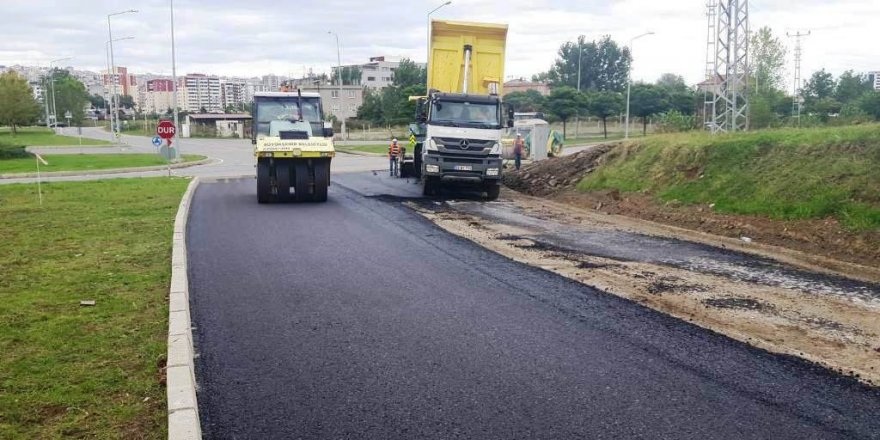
{"type": "Point", "coordinates": [430, 187]}
{"type": "Point", "coordinates": [303, 181]}
{"type": "Point", "coordinates": [264, 184]}
{"type": "Point", "coordinates": [282, 180]}
{"type": "Point", "coordinates": [322, 180]}
{"type": "Point", "coordinates": [493, 191]}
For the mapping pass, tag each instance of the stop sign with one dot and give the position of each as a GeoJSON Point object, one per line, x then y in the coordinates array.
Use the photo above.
{"type": "Point", "coordinates": [165, 130]}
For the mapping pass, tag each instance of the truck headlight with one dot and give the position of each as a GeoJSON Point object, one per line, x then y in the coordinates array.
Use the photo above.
{"type": "Point", "coordinates": [431, 145]}
{"type": "Point", "coordinates": [432, 168]}
{"type": "Point", "coordinates": [496, 149]}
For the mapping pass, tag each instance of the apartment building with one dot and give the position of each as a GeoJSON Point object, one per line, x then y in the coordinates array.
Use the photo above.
{"type": "Point", "coordinates": [157, 96]}
{"type": "Point", "coordinates": [199, 91]}
{"type": "Point", "coordinates": [378, 73]}
{"type": "Point", "coordinates": [344, 106]}
{"type": "Point", "coordinates": [235, 92]}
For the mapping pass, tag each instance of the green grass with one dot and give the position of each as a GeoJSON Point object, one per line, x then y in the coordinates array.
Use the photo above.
{"type": "Point", "coordinates": [783, 174]}
{"type": "Point", "coordinates": [85, 372]}
{"type": "Point", "coordinates": [86, 162]}
{"type": "Point", "coordinates": [378, 149]}
{"type": "Point", "coordinates": [44, 137]}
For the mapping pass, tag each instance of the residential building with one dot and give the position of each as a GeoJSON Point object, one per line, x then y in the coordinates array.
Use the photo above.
{"type": "Point", "coordinates": [344, 107]}
{"type": "Point", "coordinates": [119, 82]}
{"type": "Point", "coordinates": [521, 85]}
{"type": "Point", "coordinates": [875, 77]}
{"type": "Point", "coordinates": [199, 91]}
{"type": "Point", "coordinates": [379, 72]}
{"type": "Point", "coordinates": [158, 96]}
{"type": "Point", "coordinates": [234, 92]}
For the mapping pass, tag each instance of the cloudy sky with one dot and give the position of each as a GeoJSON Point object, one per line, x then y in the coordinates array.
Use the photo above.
{"type": "Point", "coordinates": [255, 37]}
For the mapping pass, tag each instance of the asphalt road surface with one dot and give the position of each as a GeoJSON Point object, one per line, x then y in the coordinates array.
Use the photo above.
{"type": "Point", "coordinates": [357, 318]}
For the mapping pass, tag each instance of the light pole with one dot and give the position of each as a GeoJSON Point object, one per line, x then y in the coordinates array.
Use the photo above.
{"type": "Point", "coordinates": [52, 86]}
{"type": "Point", "coordinates": [339, 80]}
{"type": "Point", "coordinates": [577, 128]}
{"type": "Point", "coordinates": [112, 72]}
{"type": "Point", "coordinates": [428, 40]}
{"type": "Point", "coordinates": [174, 85]}
{"type": "Point", "coordinates": [629, 80]}
{"type": "Point", "coordinates": [107, 100]}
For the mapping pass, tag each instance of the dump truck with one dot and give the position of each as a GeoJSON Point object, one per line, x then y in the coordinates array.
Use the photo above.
{"type": "Point", "coordinates": [460, 121]}
{"type": "Point", "coordinates": [292, 147]}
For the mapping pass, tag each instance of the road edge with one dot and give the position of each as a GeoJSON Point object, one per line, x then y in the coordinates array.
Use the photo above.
{"type": "Point", "coordinates": [173, 166]}
{"type": "Point", "coordinates": [183, 409]}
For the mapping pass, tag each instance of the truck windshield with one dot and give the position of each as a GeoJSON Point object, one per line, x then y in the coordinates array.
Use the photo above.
{"type": "Point", "coordinates": [466, 114]}
{"type": "Point", "coordinates": [285, 109]}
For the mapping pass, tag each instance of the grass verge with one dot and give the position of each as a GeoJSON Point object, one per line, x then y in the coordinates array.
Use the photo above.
{"type": "Point", "coordinates": [86, 162]}
{"type": "Point", "coordinates": [85, 372]}
{"type": "Point", "coordinates": [784, 174]}
{"type": "Point", "coordinates": [44, 137]}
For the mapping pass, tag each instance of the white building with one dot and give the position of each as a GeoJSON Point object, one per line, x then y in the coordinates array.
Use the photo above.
{"type": "Point", "coordinates": [876, 77]}
{"type": "Point", "coordinates": [199, 92]}
{"type": "Point", "coordinates": [379, 72]}
{"type": "Point", "coordinates": [235, 92]}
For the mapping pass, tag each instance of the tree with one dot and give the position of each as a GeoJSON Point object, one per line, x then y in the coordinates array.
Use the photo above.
{"type": "Point", "coordinates": [870, 104]}
{"type": "Point", "coordinates": [851, 86]}
{"type": "Point", "coordinates": [603, 65]}
{"type": "Point", "coordinates": [528, 101]}
{"type": "Point", "coordinates": [564, 103]}
{"type": "Point", "coordinates": [371, 109]}
{"type": "Point", "coordinates": [17, 103]}
{"type": "Point", "coordinates": [820, 85]}
{"type": "Point", "coordinates": [768, 61]}
{"type": "Point", "coordinates": [604, 104]}
{"type": "Point", "coordinates": [97, 101]}
{"type": "Point", "coordinates": [408, 73]}
{"type": "Point", "coordinates": [126, 101]}
{"type": "Point", "coordinates": [671, 81]}
{"type": "Point", "coordinates": [70, 96]}
{"type": "Point", "coordinates": [351, 76]}
{"type": "Point", "coordinates": [646, 100]}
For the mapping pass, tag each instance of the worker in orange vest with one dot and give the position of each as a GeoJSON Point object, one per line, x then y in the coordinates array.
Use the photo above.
{"type": "Point", "coordinates": [393, 153]}
{"type": "Point", "coordinates": [518, 146]}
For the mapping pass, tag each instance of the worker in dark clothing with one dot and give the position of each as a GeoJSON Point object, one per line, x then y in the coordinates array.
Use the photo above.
{"type": "Point", "coordinates": [393, 153]}
{"type": "Point", "coordinates": [518, 146]}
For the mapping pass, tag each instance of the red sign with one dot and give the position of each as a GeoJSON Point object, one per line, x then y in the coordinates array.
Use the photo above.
{"type": "Point", "coordinates": [166, 130]}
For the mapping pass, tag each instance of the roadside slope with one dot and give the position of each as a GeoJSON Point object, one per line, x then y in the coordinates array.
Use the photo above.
{"type": "Point", "coordinates": [816, 190]}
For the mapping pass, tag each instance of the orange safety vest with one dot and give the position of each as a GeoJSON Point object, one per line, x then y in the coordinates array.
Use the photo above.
{"type": "Point", "coordinates": [393, 150]}
{"type": "Point", "coordinates": [518, 146]}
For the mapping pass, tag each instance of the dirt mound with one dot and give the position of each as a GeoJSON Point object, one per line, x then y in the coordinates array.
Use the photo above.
{"type": "Point", "coordinates": [556, 174]}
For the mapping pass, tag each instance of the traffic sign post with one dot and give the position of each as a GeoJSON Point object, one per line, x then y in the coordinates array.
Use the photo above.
{"type": "Point", "coordinates": [166, 130]}
{"type": "Point", "coordinates": [157, 141]}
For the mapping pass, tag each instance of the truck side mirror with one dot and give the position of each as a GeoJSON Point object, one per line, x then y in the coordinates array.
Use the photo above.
{"type": "Point", "coordinates": [421, 112]}
{"type": "Point", "coordinates": [509, 117]}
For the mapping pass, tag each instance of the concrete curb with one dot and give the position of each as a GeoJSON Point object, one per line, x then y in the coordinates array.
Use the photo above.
{"type": "Point", "coordinates": [358, 153]}
{"type": "Point", "coordinates": [183, 409]}
{"type": "Point", "coordinates": [174, 166]}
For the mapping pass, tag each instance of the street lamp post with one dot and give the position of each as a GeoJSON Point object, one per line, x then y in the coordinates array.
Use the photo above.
{"type": "Point", "coordinates": [107, 98]}
{"type": "Point", "coordinates": [339, 80]}
{"type": "Point", "coordinates": [112, 74]}
{"type": "Point", "coordinates": [428, 40]}
{"type": "Point", "coordinates": [174, 86]}
{"type": "Point", "coordinates": [629, 81]}
{"type": "Point", "coordinates": [52, 86]}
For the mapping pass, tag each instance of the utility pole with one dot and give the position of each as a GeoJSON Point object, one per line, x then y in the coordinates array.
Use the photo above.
{"type": "Point", "coordinates": [731, 100]}
{"type": "Point", "coordinates": [112, 72]}
{"type": "Point", "coordinates": [339, 80]}
{"type": "Point", "coordinates": [796, 96]}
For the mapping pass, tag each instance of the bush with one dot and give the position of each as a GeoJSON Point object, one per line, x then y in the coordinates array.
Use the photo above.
{"type": "Point", "coordinates": [674, 121]}
{"type": "Point", "coordinates": [8, 151]}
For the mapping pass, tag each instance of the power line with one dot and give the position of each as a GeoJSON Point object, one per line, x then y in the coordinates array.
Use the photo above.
{"type": "Point", "coordinates": [796, 96]}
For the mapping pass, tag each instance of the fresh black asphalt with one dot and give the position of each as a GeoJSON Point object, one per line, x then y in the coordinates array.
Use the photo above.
{"type": "Point", "coordinates": [357, 318]}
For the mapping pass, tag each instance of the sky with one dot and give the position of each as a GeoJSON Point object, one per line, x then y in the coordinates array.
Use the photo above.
{"type": "Point", "coordinates": [284, 37]}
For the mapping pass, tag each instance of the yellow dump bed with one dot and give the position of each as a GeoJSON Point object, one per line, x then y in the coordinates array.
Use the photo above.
{"type": "Point", "coordinates": [446, 63]}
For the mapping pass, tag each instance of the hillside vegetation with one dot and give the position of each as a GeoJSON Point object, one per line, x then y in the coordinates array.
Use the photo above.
{"type": "Point", "coordinates": [784, 174]}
